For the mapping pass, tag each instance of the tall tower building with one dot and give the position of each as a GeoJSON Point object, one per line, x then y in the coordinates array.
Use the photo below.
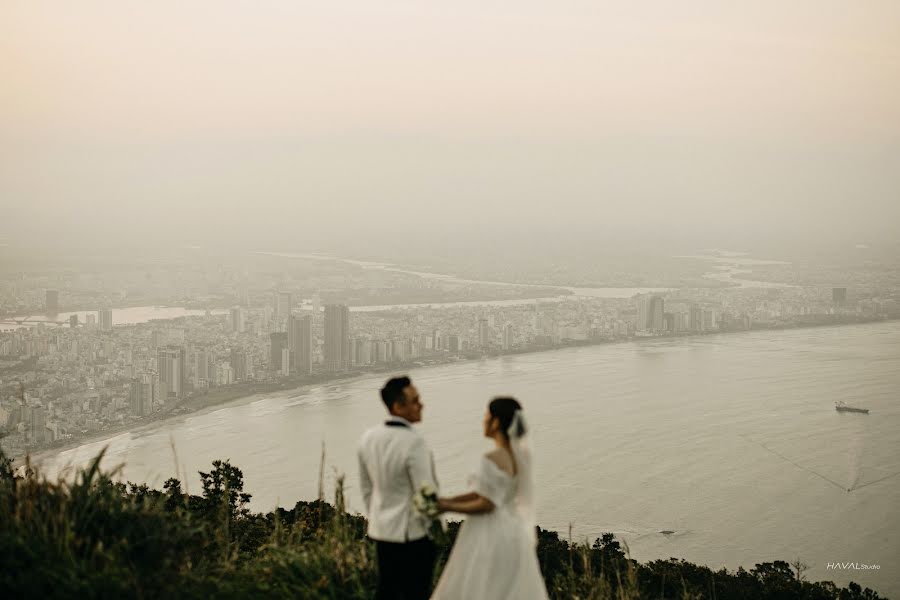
{"type": "Point", "coordinates": [507, 336]}
{"type": "Point", "coordinates": [285, 369]}
{"type": "Point", "coordinates": [650, 313]}
{"type": "Point", "coordinates": [238, 322]}
{"type": "Point", "coordinates": [239, 366]}
{"type": "Point", "coordinates": [669, 320]}
{"type": "Point", "coordinates": [300, 343]}
{"type": "Point", "coordinates": [37, 429]}
{"type": "Point", "coordinates": [170, 366]}
{"type": "Point", "coordinates": [277, 342]}
{"type": "Point", "coordinates": [51, 301]}
{"type": "Point", "coordinates": [337, 337]}
{"type": "Point", "coordinates": [201, 367]}
{"type": "Point", "coordinates": [105, 318]}
{"type": "Point", "coordinates": [362, 351]}
{"type": "Point", "coordinates": [656, 318]}
{"type": "Point", "coordinates": [436, 339]}
{"type": "Point", "coordinates": [380, 351]}
{"type": "Point", "coordinates": [146, 394]}
{"type": "Point", "coordinates": [73, 321]}
{"type": "Point", "coordinates": [695, 319]}
{"type": "Point", "coordinates": [483, 332]}
{"type": "Point", "coordinates": [135, 398]}
{"type": "Point", "coordinates": [839, 296]}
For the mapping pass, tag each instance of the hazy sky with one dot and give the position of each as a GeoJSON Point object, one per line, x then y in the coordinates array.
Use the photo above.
{"type": "Point", "coordinates": [348, 121]}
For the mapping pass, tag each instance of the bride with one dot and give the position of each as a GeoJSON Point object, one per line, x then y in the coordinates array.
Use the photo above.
{"type": "Point", "coordinates": [495, 556]}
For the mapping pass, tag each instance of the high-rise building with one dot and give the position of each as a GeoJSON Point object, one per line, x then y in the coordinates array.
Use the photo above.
{"type": "Point", "coordinates": [73, 321]}
{"type": "Point", "coordinates": [483, 333]}
{"type": "Point", "coordinates": [669, 320]}
{"type": "Point", "coordinates": [839, 296]}
{"type": "Point", "coordinates": [300, 343]}
{"type": "Point", "coordinates": [239, 363]}
{"type": "Point", "coordinates": [51, 301]}
{"type": "Point", "coordinates": [695, 321]}
{"type": "Point", "coordinates": [507, 336]}
{"type": "Point", "coordinates": [146, 394]}
{"type": "Point", "coordinates": [201, 367]}
{"type": "Point", "coordinates": [278, 341]}
{"type": "Point", "coordinates": [643, 313]}
{"type": "Point", "coordinates": [238, 322]}
{"type": "Point", "coordinates": [90, 321]}
{"type": "Point", "coordinates": [285, 362]}
{"type": "Point", "coordinates": [170, 366]}
{"type": "Point", "coordinates": [104, 317]}
{"type": "Point", "coordinates": [650, 313]}
{"type": "Point", "coordinates": [657, 312]}
{"type": "Point", "coordinates": [436, 339]}
{"type": "Point", "coordinates": [140, 399]}
{"type": "Point", "coordinates": [337, 337]}
{"type": "Point", "coordinates": [398, 353]}
{"type": "Point", "coordinates": [362, 351]}
{"type": "Point", "coordinates": [37, 424]}
{"type": "Point", "coordinates": [381, 351]}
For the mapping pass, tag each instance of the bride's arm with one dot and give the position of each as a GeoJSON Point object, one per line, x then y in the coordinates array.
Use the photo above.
{"type": "Point", "coordinates": [472, 505]}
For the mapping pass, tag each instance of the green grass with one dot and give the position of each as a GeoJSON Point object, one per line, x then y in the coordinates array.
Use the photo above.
{"type": "Point", "coordinates": [94, 537]}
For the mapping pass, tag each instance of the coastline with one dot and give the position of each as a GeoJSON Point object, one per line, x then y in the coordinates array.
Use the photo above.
{"type": "Point", "coordinates": [242, 393]}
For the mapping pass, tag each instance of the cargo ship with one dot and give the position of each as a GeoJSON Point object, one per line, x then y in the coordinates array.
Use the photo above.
{"type": "Point", "coordinates": [841, 407]}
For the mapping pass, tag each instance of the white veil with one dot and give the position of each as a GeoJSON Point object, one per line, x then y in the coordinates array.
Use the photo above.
{"type": "Point", "coordinates": [521, 450]}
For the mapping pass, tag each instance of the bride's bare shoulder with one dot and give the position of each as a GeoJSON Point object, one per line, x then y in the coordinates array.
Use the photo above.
{"type": "Point", "coordinates": [502, 459]}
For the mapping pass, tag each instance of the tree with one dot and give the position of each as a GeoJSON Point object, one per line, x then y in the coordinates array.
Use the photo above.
{"type": "Point", "coordinates": [223, 490]}
{"type": "Point", "coordinates": [801, 567]}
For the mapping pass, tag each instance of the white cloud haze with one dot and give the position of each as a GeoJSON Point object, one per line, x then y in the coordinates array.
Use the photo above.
{"type": "Point", "coordinates": [331, 122]}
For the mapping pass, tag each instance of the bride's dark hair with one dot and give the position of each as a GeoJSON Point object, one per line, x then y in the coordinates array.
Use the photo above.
{"type": "Point", "coordinates": [504, 408]}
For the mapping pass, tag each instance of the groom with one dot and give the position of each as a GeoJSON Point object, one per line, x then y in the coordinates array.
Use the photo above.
{"type": "Point", "coordinates": [394, 463]}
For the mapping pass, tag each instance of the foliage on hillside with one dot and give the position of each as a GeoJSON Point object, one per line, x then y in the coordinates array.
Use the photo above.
{"type": "Point", "coordinates": [93, 537]}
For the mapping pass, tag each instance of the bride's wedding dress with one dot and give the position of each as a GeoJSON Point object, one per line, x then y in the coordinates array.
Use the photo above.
{"type": "Point", "coordinates": [495, 555]}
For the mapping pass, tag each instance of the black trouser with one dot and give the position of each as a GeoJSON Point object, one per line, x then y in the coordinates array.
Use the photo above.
{"type": "Point", "coordinates": [405, 570]}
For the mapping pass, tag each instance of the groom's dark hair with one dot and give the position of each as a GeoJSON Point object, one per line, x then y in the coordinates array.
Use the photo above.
{"type": "Point", "coordinates": [392, 392]}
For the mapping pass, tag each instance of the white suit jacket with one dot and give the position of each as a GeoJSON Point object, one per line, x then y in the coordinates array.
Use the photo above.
{"type": "Point", "coordinates": [394, 463]}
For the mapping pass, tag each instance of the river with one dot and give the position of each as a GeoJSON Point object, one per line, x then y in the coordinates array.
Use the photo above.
{"type": "Point", "coordinates": [731, 441]}
{"type": "Point", "coordinates": [120, 316]}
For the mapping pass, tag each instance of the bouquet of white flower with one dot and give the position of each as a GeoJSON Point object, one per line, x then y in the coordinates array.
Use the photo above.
{"type": "Point", "coordinates": [425, 501]}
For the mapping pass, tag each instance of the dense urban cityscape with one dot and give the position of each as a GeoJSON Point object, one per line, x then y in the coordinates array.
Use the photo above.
{"type": "Point", "coordinates": [64, 378]}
